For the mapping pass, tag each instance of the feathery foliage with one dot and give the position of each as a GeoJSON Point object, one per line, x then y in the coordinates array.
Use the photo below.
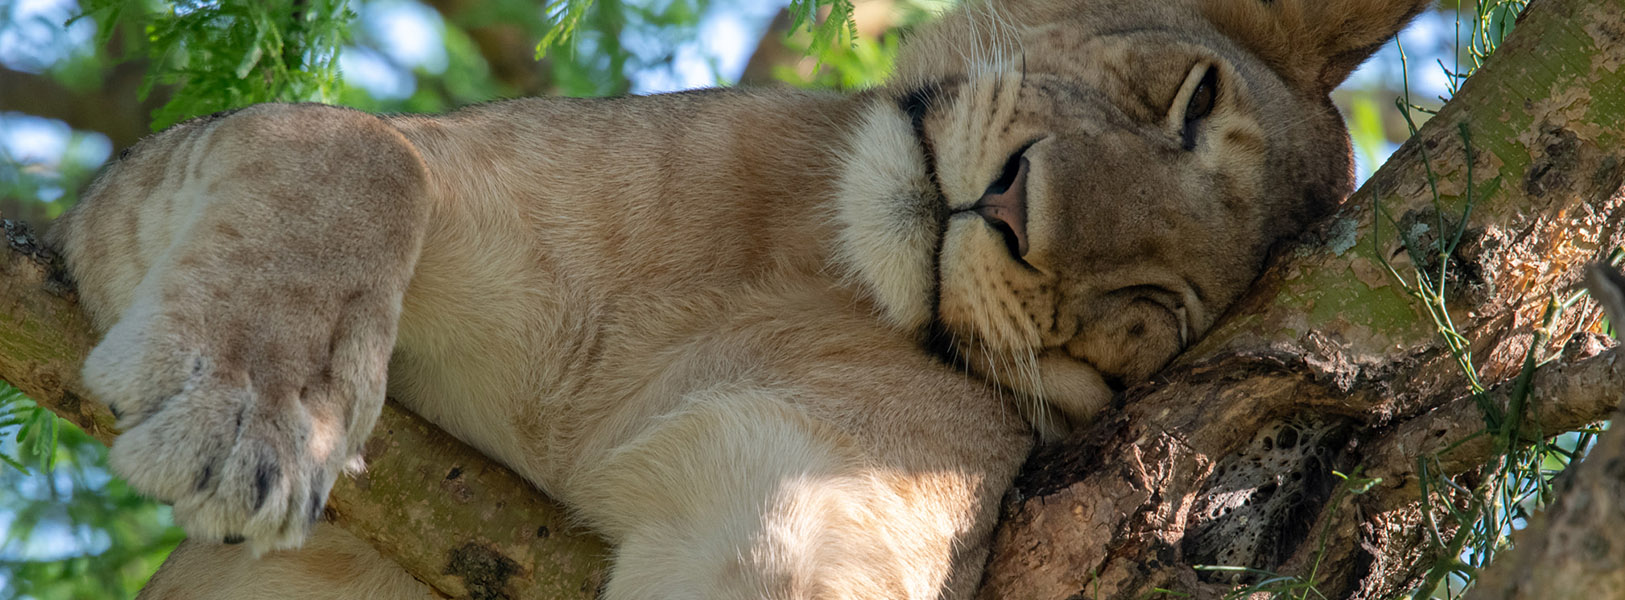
{"type": "Point", "coordinates": [224, 55]}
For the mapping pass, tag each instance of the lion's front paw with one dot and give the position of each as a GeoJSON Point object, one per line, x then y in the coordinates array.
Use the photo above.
{"type": "Point", "coordinates": [243, 437]}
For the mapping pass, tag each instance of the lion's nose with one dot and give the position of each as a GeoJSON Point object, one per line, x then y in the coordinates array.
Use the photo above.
{"type": "Point", "coordinates": [1004, 206]}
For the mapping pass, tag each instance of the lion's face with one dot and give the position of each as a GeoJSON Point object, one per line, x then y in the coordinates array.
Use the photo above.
{"type": "Point", "coordinates": [1063, 197]}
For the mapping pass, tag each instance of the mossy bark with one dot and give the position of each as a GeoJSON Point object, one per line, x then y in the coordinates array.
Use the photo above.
{"type": "Point", "coordinates": [1329, 343]}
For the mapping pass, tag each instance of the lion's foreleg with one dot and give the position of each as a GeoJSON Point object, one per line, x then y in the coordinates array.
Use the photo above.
{"type": "Point", "coordinates": [248, 271]}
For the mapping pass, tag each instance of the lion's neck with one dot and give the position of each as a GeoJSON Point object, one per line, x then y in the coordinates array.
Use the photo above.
{"type": "Point", "coordinates": [578, 238]}
{"type": "Point", "coordinates": [661, 192]}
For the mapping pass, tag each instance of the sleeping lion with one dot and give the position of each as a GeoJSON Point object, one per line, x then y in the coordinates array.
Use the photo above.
{"type": "Point", "coordinates": [769, 343]}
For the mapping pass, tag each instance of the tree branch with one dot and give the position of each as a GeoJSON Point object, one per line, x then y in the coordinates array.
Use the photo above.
{"type": "Point", "coordinates": [1575, 548]}
{"type": "Point", "coordinates": [506, 46]}
{"type": "Point", "coordinates": [1208, 465]}
{"type": "Point", "coordinates": [774, 48]}
{"type": "Point", "coordinates": [113, 109]}
{"type": "Point", "coordinates": [1563, 396]}
{"type": "Point", "coordinates": [455, 519]}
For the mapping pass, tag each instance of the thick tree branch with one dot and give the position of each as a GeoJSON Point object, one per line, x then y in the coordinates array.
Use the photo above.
{"type": "Point", "coordinates": [1563, 396]}
{"type": "Point", "coordinates": [455, 519]}
{"type": "Point", "coordinates": [1575, 549]}
{"type": "Point", "coordinates": [114, 109]}
{"type": "Point", "coordinates": [1209, 465]}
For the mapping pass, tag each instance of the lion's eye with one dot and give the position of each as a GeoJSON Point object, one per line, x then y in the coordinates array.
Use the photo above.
{"type": "Point", "coordinates": [1200, 105]}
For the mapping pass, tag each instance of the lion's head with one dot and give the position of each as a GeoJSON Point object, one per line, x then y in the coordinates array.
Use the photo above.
{"type": "Point", "coordinates": [1059, 195]}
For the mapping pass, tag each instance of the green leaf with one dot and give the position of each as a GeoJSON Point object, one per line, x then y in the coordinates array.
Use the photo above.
{"type": "Point", "coordinates": [563, 25]}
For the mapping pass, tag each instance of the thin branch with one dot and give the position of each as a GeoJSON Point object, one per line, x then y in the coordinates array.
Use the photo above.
{"type": "Point", "coordinates": [1563, 396]}
{"type": "Point", "coordinates": [1575, 548]}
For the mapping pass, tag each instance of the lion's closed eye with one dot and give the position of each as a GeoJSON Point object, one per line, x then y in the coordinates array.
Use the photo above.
{"type": "Point", "coordinates": [1199, 94]}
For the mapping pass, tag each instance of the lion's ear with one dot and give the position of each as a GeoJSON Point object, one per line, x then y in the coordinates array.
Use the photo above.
{"type": "Point", "coordinates": [1314, 44]}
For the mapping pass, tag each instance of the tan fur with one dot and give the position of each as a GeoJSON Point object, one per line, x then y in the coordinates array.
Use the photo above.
{"type": "Point", "coordinates": [773, 344]}
{"type": "Point", "coordinates": [332, 564]}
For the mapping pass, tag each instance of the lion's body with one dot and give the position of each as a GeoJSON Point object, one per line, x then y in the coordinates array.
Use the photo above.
{"type": "Point", "coordinates": [769, 343]}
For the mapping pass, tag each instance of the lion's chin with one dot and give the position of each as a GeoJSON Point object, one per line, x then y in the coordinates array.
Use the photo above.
{"type": "Point", "coordinates": [1054, 392]}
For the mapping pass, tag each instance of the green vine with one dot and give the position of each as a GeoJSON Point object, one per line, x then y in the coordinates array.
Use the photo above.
{"type": "Point", "coordinates": [1518, 479]}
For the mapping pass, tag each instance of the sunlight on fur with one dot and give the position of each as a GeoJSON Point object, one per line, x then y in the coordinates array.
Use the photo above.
{"type": "Point", "coordinates": [770, 343]}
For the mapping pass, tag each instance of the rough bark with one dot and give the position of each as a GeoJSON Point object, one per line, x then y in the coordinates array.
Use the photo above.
{"type": "Point", "coordinates": [1326, 365]}
{"type": "Point", "coordinates": [1574, 550]}
{"type": "Point", "coordinates": [1208, 465]}
{"type": "Point", "coordinates": [455, 519]}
